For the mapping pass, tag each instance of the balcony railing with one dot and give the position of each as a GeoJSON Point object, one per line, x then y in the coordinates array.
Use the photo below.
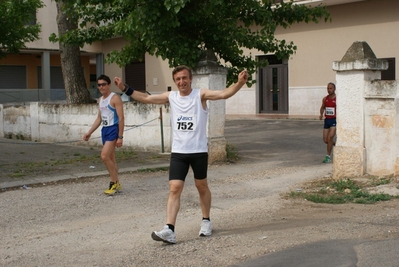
{"type": "Point", "coordinates": [36, 95]}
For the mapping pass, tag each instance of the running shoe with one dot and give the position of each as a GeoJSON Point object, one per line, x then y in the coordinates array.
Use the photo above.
{"type": "Point", "coordinates": [206, 228]}
{"type": "Point", "coordinates": [165, 235]}
{"type": "Point", "coordinates": [327, 159]}
{"type": "Point", "coordinates": [113, 188]}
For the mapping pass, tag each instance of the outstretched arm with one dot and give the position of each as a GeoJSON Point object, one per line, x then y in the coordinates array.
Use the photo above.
{"type": "Point", "coordinates": [207, 94]}
{"type": "Point", "coordinates": [142, 97]}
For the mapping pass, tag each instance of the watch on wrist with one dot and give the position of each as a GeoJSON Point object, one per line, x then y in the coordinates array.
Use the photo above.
{"type": "Point", "coordinates": [126, 87]}
{"type": "Point", "coordinates": [120, 137]}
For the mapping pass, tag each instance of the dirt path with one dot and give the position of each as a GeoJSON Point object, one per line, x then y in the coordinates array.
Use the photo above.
{"type": "Point", "coordinates": [74, 224]}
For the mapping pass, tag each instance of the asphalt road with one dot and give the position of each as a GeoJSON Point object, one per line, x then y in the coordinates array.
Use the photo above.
{"type": "Point", "coordinates": [283, 142]}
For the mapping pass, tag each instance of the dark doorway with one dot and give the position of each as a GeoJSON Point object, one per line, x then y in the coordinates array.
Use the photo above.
{"type": "Point", "coordinates": [389, 74]}
{"type": "Point", "coordinates": [273, 86]}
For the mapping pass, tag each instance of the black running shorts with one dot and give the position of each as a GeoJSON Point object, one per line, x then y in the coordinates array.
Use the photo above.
{"type": "Point", "coordinates": [180, 164]}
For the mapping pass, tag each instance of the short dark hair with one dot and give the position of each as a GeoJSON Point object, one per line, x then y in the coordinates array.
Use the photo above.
{"type": "Point", "coordinates": [105, 78]}
{"type": "Point", "coordinates": [333, 84]}
{"type": "Point", "coordinates": [180, 68]}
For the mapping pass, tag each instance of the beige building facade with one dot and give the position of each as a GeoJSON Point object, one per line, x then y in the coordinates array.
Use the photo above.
{"type": "Point", "coordinates": [293, 86]}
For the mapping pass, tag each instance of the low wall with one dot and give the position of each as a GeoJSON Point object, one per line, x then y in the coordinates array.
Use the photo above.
{"type": "Point", "coordinates": [53, 123]}
{"type": "Point", "coordinates": [243, 102]}
{"type": "Point", "coordinates": [306, 101]}
{"type": "Point", "coordinates": [380, 127]}
{"type": "Point", "coordinates": [303, 101]}
{"type": "Point", "coordinates": [367, 116]}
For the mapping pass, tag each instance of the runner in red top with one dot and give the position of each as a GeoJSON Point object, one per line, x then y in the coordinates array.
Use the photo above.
{"type": "Point", "coordinates": [329, 110]}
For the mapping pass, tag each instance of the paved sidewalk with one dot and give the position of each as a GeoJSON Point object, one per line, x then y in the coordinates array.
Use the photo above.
{"type": "Point", "coordinates": [26, 163]}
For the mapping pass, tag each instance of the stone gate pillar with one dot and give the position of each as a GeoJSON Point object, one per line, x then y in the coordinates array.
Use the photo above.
{"type": "Point", "coordinates": [208, 74]}
{"type": "Point", "coordinates": [357, 68]}
{"type": "Point", "coordinates": [381, 98]}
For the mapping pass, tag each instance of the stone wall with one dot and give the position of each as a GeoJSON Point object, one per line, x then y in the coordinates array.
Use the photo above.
{"type": "Point", "coordinates": [52, 123]}
{"type": "Point", "coordinates": [64, 123]}
{"type": "Point", "coordinates": [367, 116]}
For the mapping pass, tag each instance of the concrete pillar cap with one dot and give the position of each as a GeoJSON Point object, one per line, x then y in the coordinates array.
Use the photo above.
{"type": "Point", "coordinates": [208, 64]}
{"type": "Point", "coordinates": [360, 56]}
{"type": "Point", "coordinates": [358, 51]}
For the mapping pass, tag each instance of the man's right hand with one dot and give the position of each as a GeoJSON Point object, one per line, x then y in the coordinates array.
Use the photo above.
{"type": "Point", "coordinates": [86, 137]}
{"type": "Point", "coordinates": [119, 83]}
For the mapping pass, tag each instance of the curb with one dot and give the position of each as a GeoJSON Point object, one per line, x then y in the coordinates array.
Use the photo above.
{"type": "Point", "coordinates": [44, 180]}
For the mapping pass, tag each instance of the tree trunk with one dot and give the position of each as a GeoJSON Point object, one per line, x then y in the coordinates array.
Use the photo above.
{"type": "Point", "coordinates": [72, 70]}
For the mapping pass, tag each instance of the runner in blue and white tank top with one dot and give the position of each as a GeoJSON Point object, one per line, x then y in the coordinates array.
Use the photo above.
{"type": "Point", "coordinates": [110, 116]}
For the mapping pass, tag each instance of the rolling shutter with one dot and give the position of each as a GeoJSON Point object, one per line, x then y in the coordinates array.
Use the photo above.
{"type": "Point", "coordinates": [135, 75]}
{"type": "Point", "coordinates": [13, 77]}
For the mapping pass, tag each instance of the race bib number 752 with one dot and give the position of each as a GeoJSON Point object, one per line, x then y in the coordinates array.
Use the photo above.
{"type": "Point", "coordinates": [185, 123]}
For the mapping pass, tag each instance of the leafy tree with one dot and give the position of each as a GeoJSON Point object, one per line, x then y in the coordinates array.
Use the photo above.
{"type": "Point", "coordinates": [179, 30]}
{"type": "Point", "coordinates": [75, 84]}
{"type": "Point", "coordinates": [16, 27]}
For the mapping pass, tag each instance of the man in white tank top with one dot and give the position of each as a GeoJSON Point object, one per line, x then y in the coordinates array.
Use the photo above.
{"type": "Point", "coordinates": [110, 115]}
{"type": "Point", "coordinates": [189, 146]}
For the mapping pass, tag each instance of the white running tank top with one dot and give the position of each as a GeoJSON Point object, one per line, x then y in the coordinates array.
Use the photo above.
{"type": "Point", "coordinates": [109, 116]}
{"type": "Point", "coordinates": [188, 121]}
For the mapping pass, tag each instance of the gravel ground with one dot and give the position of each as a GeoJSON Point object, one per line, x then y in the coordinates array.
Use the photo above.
{"type": "Point", "coordinates": [74, 224]}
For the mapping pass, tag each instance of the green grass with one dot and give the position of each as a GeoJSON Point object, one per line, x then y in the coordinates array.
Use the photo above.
{"type": "Point", "coordinates": [125, 154]}
{"type": "Point", "coordinates": [30, 167]}
{"type": "Point", "coordinates": [344, 191]}
{"type": "Point", "coordinates": [231, 153]}
{"type": "Point", "coordinates": [24, 169]}
{"type": "Point", "coordinates": [376, 181]}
